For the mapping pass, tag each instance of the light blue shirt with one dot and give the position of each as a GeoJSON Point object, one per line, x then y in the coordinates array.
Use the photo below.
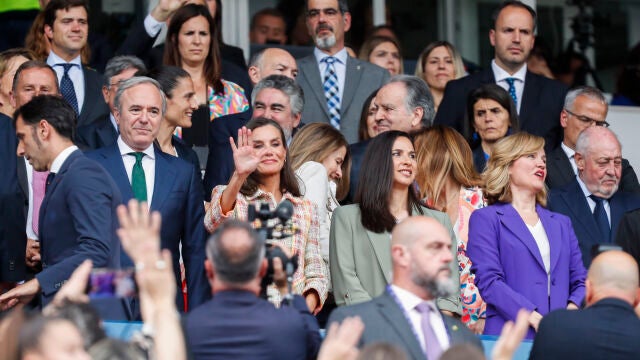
{"type": "Point", "coordinates": [75, 74]}
{"type": "Point", "coordinates": [340, 66]}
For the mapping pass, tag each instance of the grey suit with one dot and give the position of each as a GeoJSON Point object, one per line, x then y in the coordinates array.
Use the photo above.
{"type": "Point", "coordinates": [385, 321]}
{"type": "Point", "coordinates": [361, 79]}
{"type": "Point", "coordinates": [360, 260]}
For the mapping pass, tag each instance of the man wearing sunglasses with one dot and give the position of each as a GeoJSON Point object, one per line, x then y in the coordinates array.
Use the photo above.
{"type": "Point", "coordinates": [584, 107]}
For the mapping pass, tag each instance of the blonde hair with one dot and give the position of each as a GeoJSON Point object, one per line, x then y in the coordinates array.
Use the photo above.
{"type": "Point", "coordinates": [458, 65]}
{"type": "Point", "coordinates": [442, 154]}
{"type": "Point", "coordinates": [316, 141]}
{"type": "Point", "coordinates": [505, 152]}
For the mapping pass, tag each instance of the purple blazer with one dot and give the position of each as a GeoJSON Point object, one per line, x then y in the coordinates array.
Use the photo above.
{"type": "Point", "coordinates": [509, 270]}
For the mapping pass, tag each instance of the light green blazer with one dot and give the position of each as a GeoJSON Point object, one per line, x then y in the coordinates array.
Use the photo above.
{"type": "Point", "coordinates": [360, 260]}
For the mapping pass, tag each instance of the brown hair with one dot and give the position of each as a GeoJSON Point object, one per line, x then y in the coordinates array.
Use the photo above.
{"type": "Point", "coordinates": [37, 42]}
{"type": "Point", "coordinates": [372, 42]}
{"type": "Point", "coordinates": [316, 141]}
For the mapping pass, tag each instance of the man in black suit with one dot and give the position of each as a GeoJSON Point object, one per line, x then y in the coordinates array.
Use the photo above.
{"type": "Point", "coordinates": [592, 200]}
{"type": "Point", "coordinates": [538, 99]}
{"type": "Point", "coordinates": [405, 314]}
{"type": "Point", "coordinates": [608, 328]}
{"type": "Point", "coordinates": [66, 27]}
{"type": "Point", "coordinates": [237, 323]}
{"type": "Point", "coordinates": [104, 131]}
{"type": "Point", "coordinates": [584, 106]}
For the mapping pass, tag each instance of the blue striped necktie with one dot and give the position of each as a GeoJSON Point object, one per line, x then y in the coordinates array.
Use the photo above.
{"type": "Point", "coordinates": [66, 87]}
{"type": "Point", "coordinates": [331, 91]}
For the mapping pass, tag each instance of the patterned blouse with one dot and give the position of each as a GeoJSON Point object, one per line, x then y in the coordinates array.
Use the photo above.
{"type": "Point", "coordinates": [312, 272]}
{"type": "Point", "coordinates": [231, 101]}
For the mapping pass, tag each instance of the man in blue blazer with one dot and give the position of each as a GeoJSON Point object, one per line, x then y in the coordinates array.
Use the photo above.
{"type": "Point", "coordinates": [237, 323]}
{"type": "Point", "coordinates": [608, 328]}
{"type": "Point", "coordinates": [420, 255]}
{"type": "Point", "coordinates": [599, 160]}
{"type": "Point", "coordinates": [78, 214]}
{"type": "Point", "coordinates": [538, 100]}
{"type": "Point", "coordinates": [169, 183]}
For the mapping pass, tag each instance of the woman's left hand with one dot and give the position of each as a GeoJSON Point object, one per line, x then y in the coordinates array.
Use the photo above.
{"type": "Point", "coordinates": [313, 302]}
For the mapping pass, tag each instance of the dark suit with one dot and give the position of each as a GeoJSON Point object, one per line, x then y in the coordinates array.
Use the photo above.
{"type": "Point", "coordinates": [560, 173]}
{"type": "Point", "coordinates": [628, 235]}
{"type": "Point", "coordinates": [570, 201]}
{"type": "Point", "coordinates": [237, 324]}
{"type": "Point", "coordinates": [384, 320]}
{"type": "Point", "coordinates": [542, 102]}
{"type": "Point", "coordinates": [77, 222]}
{"type": "Point", "coordinates": [608, 329]}
{"type": "Point", "coordinates": [93, 107]}
{"type": "Point", "coordinates": [13, 239]}
{"type": "Point", "coordinates": [361, 79]}
{"type": "Point", "coordinates": [97, 134]}
{"type": "Point", "coordinates": [356, 151]}
{"type": "Point", "coordinates": [177, 195]}
{"type": "Point", "coordinates": [479, 159]}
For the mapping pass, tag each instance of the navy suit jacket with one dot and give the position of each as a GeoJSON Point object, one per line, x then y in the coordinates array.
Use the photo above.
{"type": "Point", "coordinates": [356, 151]}
{"type": "Point", "coordinates": [237, 324]}
{"type": "Point", "coordinates": [97, 134]}
{"type": "Point", "coordinates": [385, 321]}
{"type": "Point", "coordinates": [13, 219]}
{"type": "Point", "coordinates": [560, 173]}
{"type": "Point", "coordinates": [77, 222]}
{"type": "Point", "coordinates": [93, 107]}
{"type": "Point", "coordinates": [542, 102]}
{"type": "Point", "coordinates": [608, 329]}
{"type": "Point", "coordinates": [177, 195]}
{"type": "Point", "coordinates": [570, 201]}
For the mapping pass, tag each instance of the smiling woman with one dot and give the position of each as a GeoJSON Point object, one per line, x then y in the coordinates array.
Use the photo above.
{"type": "Point", "coordinates": [263, 174]}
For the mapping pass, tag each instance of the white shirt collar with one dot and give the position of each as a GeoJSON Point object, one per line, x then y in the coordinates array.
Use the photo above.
{"type": "Point", "coordinates": [54, 59]}
{"type": "Point", "coordinates": [567, 150]}
{"type": "Point", "coordinates": [501, 74]}
{"type": "Point", "coordinates": [341, 55]}
{"type": "Point", "coordinates": [408, 299]}
{"type": "Point", "coordinates": [61, 158]}
{"type": "Point", "coordinates": [126, 149]}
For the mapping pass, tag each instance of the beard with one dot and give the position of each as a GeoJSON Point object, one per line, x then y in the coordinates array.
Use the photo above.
{"type": "Point", "coordinates": [436, 287]}
{"type": "Point", "coordinates": [326, 43]}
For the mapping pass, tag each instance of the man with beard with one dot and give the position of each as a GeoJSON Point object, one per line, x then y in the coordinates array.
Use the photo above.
{"type": "Point", "coordinates": [336, 85]}
{"type": "Point", "coordinates": [279, 98]}
{"type": "Point", "coordinates": [405, 314]}
{"type": "Point", "coordinates": [592, 201]}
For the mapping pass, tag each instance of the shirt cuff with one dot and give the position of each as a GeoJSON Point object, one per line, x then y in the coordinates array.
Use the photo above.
{"type": "Point", "coordinates": [152, 26]}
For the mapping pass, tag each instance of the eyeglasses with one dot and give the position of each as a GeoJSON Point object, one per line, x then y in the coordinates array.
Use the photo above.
{"type": "Point", "coordinates": [588, 120]}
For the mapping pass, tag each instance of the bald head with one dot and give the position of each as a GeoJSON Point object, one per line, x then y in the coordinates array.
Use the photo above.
{"type": "Point", "coordinates": [613, 274]}
{"type": "Point", "coordinates": [272, 61]}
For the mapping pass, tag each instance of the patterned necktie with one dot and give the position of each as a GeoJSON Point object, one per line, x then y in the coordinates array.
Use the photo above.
{"type": "Point", "coordinates": [67, 89]}
{"type": "Point", "coordinates": [331, 91]}
{"type": "Point", "coordinates": [431, 343]}
{"type": "Point", "coordinates": [38, 186]}
{"type": "Point", "coordinates": [512, 90]}
{"type": "Point", "coordinates": [600, 215]}
{"type": "Point", "coordinates": [138, 180]}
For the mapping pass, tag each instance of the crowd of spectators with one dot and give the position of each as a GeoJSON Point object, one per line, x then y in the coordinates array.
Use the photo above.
{"type": "Point", "coordinates": [258, 204]}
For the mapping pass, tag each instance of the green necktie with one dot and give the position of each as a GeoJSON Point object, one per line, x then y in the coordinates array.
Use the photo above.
{"type": "Point", "coordinates": [138, 180]}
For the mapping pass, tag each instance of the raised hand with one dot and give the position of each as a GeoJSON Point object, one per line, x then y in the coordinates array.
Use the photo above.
{"type": "Point", "coordinates": [245, 157]}
{"type": "Point", "coordinates": [139, 231]}
{"type": "Point", "coordinates": [166, 8]}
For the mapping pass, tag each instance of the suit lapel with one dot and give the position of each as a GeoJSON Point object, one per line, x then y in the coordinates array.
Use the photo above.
{"type": "Point", "coordinates": [396, 318]}
{"type": "Point", "coordinates": [562, 165]}
{"type": "Point", "coordinates": [351, 82]}
{"type": "Point", "coordinates": [552, 228]}
{"type": "Point", "coordinates": [310, 73]}
{"type": "Point", "coordinates": [514, 223]}
{"type": "Point", "coordinates": [115, 166]}
{"type": "Point", "coordinates": [164, 178]}
{"type": "Point", "coordinates": [578, 205]}
{"type": "Point", "coordinates": [530, 94]}
{"type": "Point", "coordinates": [380, 244]}
{"type": "Point", "coordinates": [22, 176]}
{"type": "Point", "coordinates": [107, 133]}
{"type": "Point", "coordinates": [51, 189]}
{"type": "Point", "coordinates": [618, 209]}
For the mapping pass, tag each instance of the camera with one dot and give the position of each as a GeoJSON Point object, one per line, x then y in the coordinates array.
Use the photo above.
{"type": "Point", "coordinates": [272, 226]}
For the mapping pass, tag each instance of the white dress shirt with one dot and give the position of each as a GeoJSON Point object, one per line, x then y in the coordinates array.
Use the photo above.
{"type": "Point", "coordinates": [75, 74]}
{"type": "Point", "coordinates": [542, 240]}
{"type": "Point", "coordinates": [501, 75]}
{"type": "Point", "coordinates": [340, 66]}
{"type": "Point", "coordinates": [571, 155]}
{"type": "Point", "coordinates": [409, 302]}
{"type": "Point", "coordinates": [148, 165]}
{"type": "Point", "coordinates": [592, 204]}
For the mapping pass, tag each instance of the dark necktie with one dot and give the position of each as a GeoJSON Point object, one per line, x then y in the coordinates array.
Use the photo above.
{"type": "Point", "coordinates": [601, 218]}
{"type": "Point", "coordinates": [67, 89]}
{"type": "Point", "coordinates": [431, 343]}
{"type": "Point", "coordinates": [138, 180]}
{"type": "Point", "coordinates": [50, 178]}
{"type": "Point", "coordinates": [512, 90]}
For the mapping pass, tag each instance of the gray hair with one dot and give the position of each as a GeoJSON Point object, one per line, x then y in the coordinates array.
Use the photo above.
{"type": "Point", "coordinates": [418, 95]}
{"type": "Point", "coordinates": [135, 81]}
{"type": "Point", "coordinates": [588, 91]}
{"type": "Point", "coordinates": [230, 266]}
{"type": "Point", "coordinates": [285, 84]}
{"type": "Point", "coordinates": [256, 59]}
{"type": "Point", "coordinates": [584, 141]}
{"type": "Point", "coordinates": [118, 64]}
